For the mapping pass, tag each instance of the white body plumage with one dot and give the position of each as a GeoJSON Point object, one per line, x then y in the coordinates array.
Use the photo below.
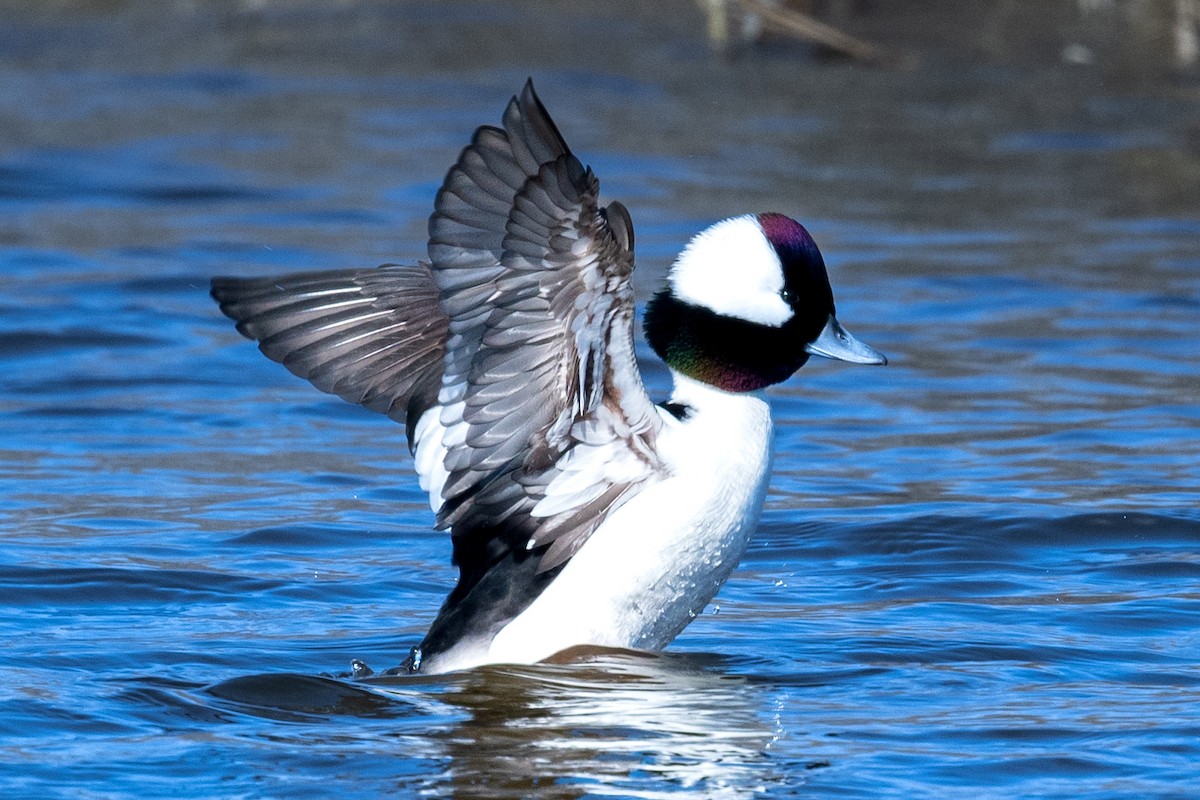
{"type": "Point", "coordinates": [654, 563]}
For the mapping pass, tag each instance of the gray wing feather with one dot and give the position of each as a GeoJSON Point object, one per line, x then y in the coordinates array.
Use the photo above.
{"type": "Point", "coordinates": [540, 361]}
{"type": "Point", "coordinates": [520, 333]}
{"type": "Point", "coordinates": [374, 337]}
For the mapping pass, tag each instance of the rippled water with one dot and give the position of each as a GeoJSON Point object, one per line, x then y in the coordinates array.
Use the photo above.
{"type": "Point", "coordinates": [979, 570]}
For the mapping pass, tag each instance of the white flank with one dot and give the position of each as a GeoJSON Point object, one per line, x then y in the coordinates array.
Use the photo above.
{"type": "Point", "coordinates": [430, 455]}
{"type": "Point", "coordinates": [654, 564]}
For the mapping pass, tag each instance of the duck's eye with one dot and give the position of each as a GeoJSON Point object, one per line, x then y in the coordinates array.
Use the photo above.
{"type": "Point", "coordinates": [787, 296]}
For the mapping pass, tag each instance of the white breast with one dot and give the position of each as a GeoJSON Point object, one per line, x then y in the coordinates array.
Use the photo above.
{"type": "Point", "coordinates": [655, 563]}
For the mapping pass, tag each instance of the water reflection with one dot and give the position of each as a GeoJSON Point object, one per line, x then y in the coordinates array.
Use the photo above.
{"type": "Point", "coordinates": [597, 723]}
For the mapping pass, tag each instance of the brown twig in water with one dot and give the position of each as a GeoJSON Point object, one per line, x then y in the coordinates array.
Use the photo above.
{"type": "Point", "coordinates": [797, 24]}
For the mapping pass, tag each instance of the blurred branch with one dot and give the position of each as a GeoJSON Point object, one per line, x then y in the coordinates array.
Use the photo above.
{"type": "Point", "coordinates": [801, 25]}
{"type": "Point", "coordinates": [758, 14]}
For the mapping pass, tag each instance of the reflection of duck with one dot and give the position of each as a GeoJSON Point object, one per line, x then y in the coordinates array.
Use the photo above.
{"type": "Point", "coordinates": [602, 724]}
{"type": "Point", "coordinates": [618, 725]}
{"type": "Point", "coordinates": [580, 512]}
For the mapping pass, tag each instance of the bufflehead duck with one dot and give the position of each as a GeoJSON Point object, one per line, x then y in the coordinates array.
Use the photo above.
{"type": "Point", "coordinates": [580, 512]}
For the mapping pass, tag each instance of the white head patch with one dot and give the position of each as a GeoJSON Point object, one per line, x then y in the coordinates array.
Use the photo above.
{"type": "Point", "coordinates": [732, 269]}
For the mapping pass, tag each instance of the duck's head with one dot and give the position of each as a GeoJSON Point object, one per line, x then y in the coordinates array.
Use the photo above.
{"type": "Point", "coordinates": [746, 303]}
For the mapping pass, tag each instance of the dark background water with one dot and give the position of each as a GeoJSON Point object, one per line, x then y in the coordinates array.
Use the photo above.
{"type": "Point", "coordinates": [979, 569]}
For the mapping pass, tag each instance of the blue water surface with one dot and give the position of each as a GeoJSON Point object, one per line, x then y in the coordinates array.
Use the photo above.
{"type": "Point", "coordinates": [978, 572]}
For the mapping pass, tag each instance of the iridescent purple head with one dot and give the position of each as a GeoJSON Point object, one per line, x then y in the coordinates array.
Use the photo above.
{"type": "Point", "coordinates": [787, 235]}
{"type": "Point", "coordinates": [804, 275]}
{"type": "Point", "coordinates": [745, 304]}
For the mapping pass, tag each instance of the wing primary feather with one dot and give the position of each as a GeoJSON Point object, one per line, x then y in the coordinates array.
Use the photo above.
{"type": "Point", "coordinates": [337, 328]}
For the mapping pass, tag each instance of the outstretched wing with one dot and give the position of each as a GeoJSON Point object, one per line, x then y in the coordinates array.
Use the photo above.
{"type": "Point", "coordinates": [545, 421]}
{"type": "Point", "coordinates": [510, 357]}
{"type": "Point", "coordinates": [375, 337]}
